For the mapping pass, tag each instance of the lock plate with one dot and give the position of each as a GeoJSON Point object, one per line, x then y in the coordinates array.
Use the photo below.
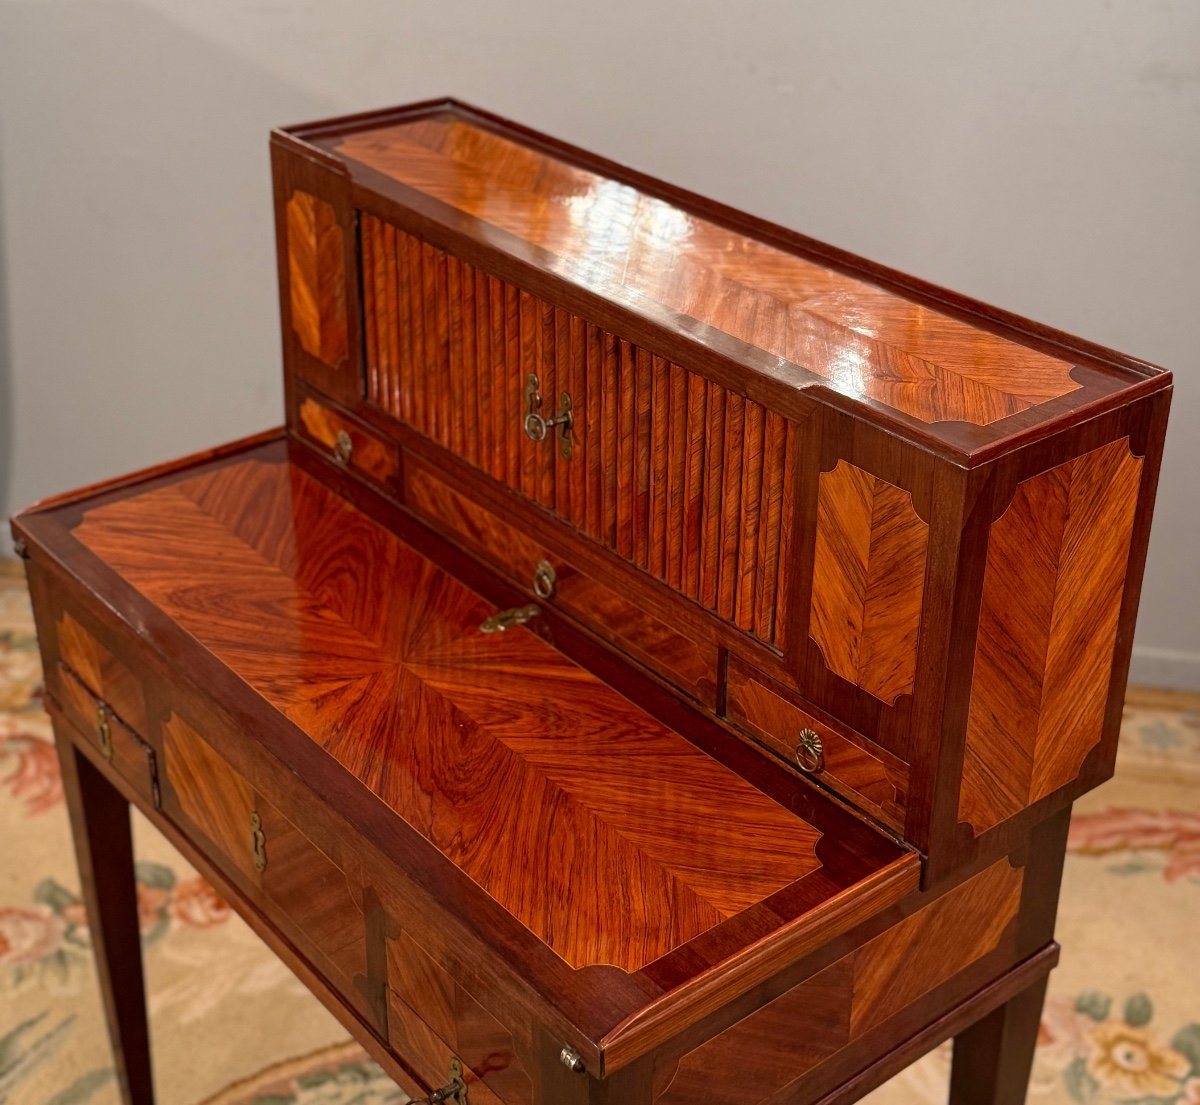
{"type": "Point", "coordinates": [537, 426]}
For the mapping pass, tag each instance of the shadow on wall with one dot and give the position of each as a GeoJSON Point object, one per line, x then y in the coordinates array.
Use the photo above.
{"type": "Point", "coordinates": [140, 320]}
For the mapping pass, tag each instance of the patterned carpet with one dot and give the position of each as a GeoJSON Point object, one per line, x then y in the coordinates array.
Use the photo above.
{"type": "Point", "coordinates": [1122, 1023]}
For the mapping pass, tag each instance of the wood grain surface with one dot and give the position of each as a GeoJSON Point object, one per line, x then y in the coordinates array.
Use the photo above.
{"type": "Point", "coordinates": [102, 673]}
{"type": "Point", "coordinates": [853, 766]}
{"type": "Point", "coordinates": [1052, 592]}
{"type": "Point", "coordinates": [868, 581]}
{"type": "Point", "coordinates": [317, 278]}
{"type": "Point", "coordinates": [209, 793]}
{"type": "Point", "coordinates": [634, 248]}
{"type": "Point", "coordinates": [455, 1024]}
{"type": "Point", "coordinates": [669, 471]}
{"type": "Point", "coordinates": [753, 1060]}
{"type": "Point", "coordinates": [369, 453]}
{"type": "Point", "coordinates": [615, 617]}
{"type": "Point", "coordinates": [507, 756]}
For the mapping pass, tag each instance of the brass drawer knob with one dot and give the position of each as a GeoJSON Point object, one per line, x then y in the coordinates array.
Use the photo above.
{"type": "Point", "coordinates": [810, 751]}
{"type": "Point", "coordinates": [343, 447]}
{"type": "Point", "coordinates": [537, 426]}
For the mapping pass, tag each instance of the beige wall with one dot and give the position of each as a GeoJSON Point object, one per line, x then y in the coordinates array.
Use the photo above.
{"type": "Point", "coordinates": [1041, 155]}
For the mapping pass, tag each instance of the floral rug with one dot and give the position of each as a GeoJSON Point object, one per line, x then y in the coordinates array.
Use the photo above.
{"type": "Point", "coordinates": [1122, 1022]}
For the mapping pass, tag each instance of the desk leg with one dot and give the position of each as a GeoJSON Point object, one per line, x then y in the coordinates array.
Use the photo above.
{"type": "Point", "coordinates": [994, 1057]}
{"type": "Point", "coordinates": [104, 852]}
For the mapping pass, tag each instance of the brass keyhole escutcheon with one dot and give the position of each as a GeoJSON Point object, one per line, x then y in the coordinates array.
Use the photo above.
{"type": "Point", "coordinates": [810, 751]}
{"type": "Point", "coordinates": [453, 1093]}
{"type": "Point", "coordinates": [537, 425]}
{"type": "Point", "coordinates": [258, 842]}
{"type": "Point", "coordinates": [343, 447]}
{"type": "Point", "coordinates": [104, 733]}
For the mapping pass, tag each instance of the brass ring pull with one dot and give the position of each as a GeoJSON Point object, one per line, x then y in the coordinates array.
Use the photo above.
{"type": "Point", "coordinates": [545, 579]}
{"type": "Point", "coordinates": [810, 752]}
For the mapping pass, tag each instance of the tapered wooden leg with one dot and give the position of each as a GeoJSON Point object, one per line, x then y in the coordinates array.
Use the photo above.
{"type": "Point", "coordinates": [994, 1057]}
{"type": "Point", "coordinates": [104, 851]}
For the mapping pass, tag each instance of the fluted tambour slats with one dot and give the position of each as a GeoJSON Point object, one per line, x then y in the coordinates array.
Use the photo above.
{"type": "Point", "coordinates": [688, 481]}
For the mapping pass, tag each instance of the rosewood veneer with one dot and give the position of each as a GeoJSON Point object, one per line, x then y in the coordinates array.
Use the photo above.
{"type": "Point", "coordinates": [656, 661]}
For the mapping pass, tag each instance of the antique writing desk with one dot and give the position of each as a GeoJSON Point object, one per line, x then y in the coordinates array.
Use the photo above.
{"type": "Point", "coordinates": [656, 662]}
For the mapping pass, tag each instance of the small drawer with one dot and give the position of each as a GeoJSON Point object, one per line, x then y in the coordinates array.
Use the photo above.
{"type": "Point", "coordinates": [131, 757]}
{"type": "Point", "coordinates": [311, 899]}
{"type": "Point", "coordinates": [349, 443]}
{"type": "Point", "coordinates": [433, 1019]}
{"type": "Point", "coordinates": [846, 762]}
{"type": "Point", "coordinates": [685, 664]}
{"type": "Point", "coordinates": [98, 669]}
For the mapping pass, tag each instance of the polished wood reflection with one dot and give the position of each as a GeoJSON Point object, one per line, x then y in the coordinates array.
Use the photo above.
{"type": "Point", "coordinates": [1054, 581]}
{"type": "Point", "coordinates": [868, 581]}
{"type": "Point", "coordinates": [751, 1062]}
{"type": "Point", "coordinates": [584, 817]}
{"type": "Point", "coordinates": [635, 248]}
{"type": "Point", "coordinates": [670, 471]}
{"type": "Point", "coordinates": [317, 277]}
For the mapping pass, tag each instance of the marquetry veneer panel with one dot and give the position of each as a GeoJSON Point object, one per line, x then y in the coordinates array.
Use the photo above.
{"type": "Point", "coordinates": [850, 764]}
{"type": "Point", "coordinates": [374, 457]}
{"type": "Point", "coordinates": [209, 793]}
{"type": "Point", "coordinates": [316, 254]}
{"type": "Point", "coordinates": [776, 1045]}
{"type": "Point", "coordinates": [102, 673]}
{"type": "Point", "coordinates": [672, 472]}
{"type": "Point", "coordinates": [637, 249]}
{"type": "Point", "coordinates": [1052, 593]}
{"type": "Point", "coordinates": [525, 770]}
{"type": "Point", "coordinates": [868, 581]}
{"type": "Point", "coordinates": [433, 1017]}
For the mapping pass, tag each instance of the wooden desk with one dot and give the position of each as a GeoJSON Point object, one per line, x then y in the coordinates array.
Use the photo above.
{"type": "Point", "coordinates": [695, 746]}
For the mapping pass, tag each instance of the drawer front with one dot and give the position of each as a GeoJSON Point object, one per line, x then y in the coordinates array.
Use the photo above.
{"type": "Point", "coordinates": [860, 771]}
{"type": "Point", "coordinates": [315, 902]}
{"type": "Point", "coordinates": [102, 673]}
{"type": "Point", "coordinates": [131, 757]}
{"type": "Point", "coordinates": [668, 470]}
{"type": "Point", "coordinates": [432, 1020]}
{"type": "Point", "coordinates": [690, 666]}
{"type": "Point", "coordinates": [349, 443]}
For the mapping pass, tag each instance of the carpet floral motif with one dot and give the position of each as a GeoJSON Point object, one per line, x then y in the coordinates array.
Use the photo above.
{"type": "Point", "coordinates": [1121, 1026]}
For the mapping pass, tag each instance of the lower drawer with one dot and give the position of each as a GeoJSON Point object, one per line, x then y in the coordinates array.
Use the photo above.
{"type": "Point", "coordinates": [131, 757]}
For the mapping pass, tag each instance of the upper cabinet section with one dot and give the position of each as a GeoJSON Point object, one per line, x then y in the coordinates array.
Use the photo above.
{"type": "Point", "coordinates": [711, 288]}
